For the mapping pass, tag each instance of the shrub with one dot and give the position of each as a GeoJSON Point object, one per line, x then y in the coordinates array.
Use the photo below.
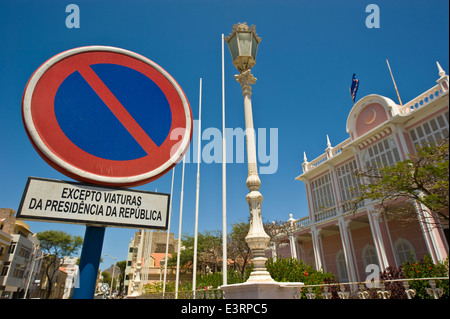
{"type": "Point", "coordinates": [215, 280]}
{"type": "Point", "coordinates": [293, 270]}
{"type": "Point", "coordinates": [396, 288]}
{"type": "Point", "coordinates": [425, 268]}
{"type": "Point", "coordinates": [158, 287]}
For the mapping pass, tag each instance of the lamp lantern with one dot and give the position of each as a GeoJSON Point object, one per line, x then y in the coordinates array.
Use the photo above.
{"type": "Point", "coordinates": [243, 44]}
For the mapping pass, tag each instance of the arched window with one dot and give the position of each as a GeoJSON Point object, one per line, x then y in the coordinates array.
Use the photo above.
{"type": "Point", "coordinates": [341, 266]}
{"type": "Point", "coordinates": [404, 251]}
{"type": "Point", "coordinates": [369, 256]}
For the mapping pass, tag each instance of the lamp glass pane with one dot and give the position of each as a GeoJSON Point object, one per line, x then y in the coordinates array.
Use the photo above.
{"type": "Point", "coordinates": [245, 43]}
{"type": "Point", "coordinates": [254, 47]}
{"type": "Point", "coordinates": [234, 48]}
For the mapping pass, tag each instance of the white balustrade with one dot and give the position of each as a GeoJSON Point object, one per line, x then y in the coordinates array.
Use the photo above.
{"type": "Point", "coordinates": [421, 100]}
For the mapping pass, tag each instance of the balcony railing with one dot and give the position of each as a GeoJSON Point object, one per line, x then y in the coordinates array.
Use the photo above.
{"type": "Point", "coordinates": [325, 214]}
{"type": "Point", "coordinates": [197, 294]}
{"type": "Point", "coordinates": [359, 290]}
{"type": "Point", "coordinates": [422, 100]}
{"type": "Point", "coordinates": [324, 157]}
{"type": "Point", "coordinates": [317, 161]}
{"type": "Point", "coordinates": [352, 290]}
{"type": "Point", "coordinates": [302, 222]}
{"type": "Point", "coordinates": [338, 148]}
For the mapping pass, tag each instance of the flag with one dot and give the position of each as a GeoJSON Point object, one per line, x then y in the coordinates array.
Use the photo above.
{"type": "Point", "coordinates": [354, 87]}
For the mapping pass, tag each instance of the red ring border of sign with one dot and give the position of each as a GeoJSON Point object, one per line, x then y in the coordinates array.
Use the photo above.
{"type": "Point", "coordinates": [41, 89]}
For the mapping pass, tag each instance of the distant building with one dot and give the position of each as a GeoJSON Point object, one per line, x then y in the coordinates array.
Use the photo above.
{"type": "Point", "coordinates": [342, 242]}
{"type": "Point", "coordinates": [59, 290]}
{"type": "Point", "coordinates": [5, 233]}
{"type": "Point", "coordinates": [145, 260]}
{"type": "Point", "coordinates": [71, 268]}
{"type": "Point", "coordinates": [20, 259]}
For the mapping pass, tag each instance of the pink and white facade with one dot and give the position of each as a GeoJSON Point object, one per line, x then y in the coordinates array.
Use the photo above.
{"type": "Point", "coordinates": [336, 240]}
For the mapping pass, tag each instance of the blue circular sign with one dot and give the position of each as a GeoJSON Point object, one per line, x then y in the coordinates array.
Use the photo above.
{"type": "Point", "coordinates": [107, 116]}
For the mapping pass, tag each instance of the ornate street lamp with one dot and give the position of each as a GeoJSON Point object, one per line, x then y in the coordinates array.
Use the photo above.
{"type": "Point", "coordinates": [243, 44]}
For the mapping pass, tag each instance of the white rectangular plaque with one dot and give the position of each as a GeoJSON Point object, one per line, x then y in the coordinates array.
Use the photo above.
{"type": "Point", "coordinates": [70, 202]}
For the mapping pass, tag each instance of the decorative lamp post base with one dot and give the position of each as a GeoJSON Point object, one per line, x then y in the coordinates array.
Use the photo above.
{"type": "Point", "coordinates": [262, 290]}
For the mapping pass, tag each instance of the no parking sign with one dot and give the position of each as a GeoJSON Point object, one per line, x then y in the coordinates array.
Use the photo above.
{"type": "Point", "coordinates": [107, 116]}
{"type": "Point", "coordinates": [110, 117]}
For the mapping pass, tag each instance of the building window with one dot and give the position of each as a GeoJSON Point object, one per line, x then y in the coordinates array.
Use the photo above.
{"type": "Point", "coordinates": [430, 132]}
{"type": "Point", "coordinates": [383, 153]}
{"type": "Point", "coordinates": [404, 251]}
{"type": "Point", "coordinates": [5, 268]}
{"type": "Point", "coordinates": [369, 255]}
{"type": "Point", "coordinates": [25, 252]}
{"type": "Point", "coordinates": [341, 266]}
{"type": "Point", "coordinates": [12, 248]}
{"type": "Point", "coordinates": [18, 272]}
{"type": "Point", "coordinates": [349, 183]}
{"type": "Point", "coordinates": [322, 192]}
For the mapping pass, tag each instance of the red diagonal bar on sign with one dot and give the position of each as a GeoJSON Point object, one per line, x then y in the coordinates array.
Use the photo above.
{"type": "Point", "coordinates": [118, 109]}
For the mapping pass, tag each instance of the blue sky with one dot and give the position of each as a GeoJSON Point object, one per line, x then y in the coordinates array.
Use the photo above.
{"type": "Point", "coordinates": [308, 54]}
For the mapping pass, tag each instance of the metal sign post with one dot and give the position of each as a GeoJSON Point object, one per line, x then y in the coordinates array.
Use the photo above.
{"type": "Point", "coordinates": [89, 262]}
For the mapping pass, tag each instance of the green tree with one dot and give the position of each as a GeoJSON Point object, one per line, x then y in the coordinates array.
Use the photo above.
{"type": "Point", "coordinates": [209, 255]}
{"type": "Point", "coordinates": [56, 246]}
{"type": "Point", "coordinates": [122, 265]}
{"type": "Point", "coordinates": [209, 252]}
{"type": "Point", "coordinates": [423, 177]}
{"type": "Point", "coordinates": [106, 277]}
{"type": "Point", "coordinates": [237, 249]}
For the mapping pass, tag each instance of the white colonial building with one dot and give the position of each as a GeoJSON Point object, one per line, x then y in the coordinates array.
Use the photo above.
{"type": "Point", "coordinates": [334, 238]}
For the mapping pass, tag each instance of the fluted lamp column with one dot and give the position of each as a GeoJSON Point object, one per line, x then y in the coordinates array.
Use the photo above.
{"type": "Point", "coordinates": [243, 44]}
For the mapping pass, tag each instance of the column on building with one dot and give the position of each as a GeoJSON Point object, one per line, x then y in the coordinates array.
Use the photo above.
{"type": "Point", "coordinates": [432, 232]}
{"type": "Point", "coordinates": [317, 247]}
{"type": "Point", "coordinates": [382, 240]}
{"type": "Point", "coordinates": [347, 245]}
{"type": "Point", "coordinates": [334, 179]}
{"type": "Point", "coordinates": [293, 245]}
{"type": "Point", "coordinates": [292, 240]}
{"type": "Point", "coordinates": [309, 198]}
{"type": "Point", "coordinates": [273, 249]}
{"type": "Point", "coordinates": [137, 279]}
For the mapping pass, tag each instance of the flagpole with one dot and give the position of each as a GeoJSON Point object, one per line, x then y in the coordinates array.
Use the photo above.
{"type": "Point", "coordinates": [168, 233]}
{"type": "Point", "coordinates": [179, 233]}
{"type": "Point", "coordinates": [194, 273]}
{"type": "Point", "coordinates": [224, 178]}
{"type": "Point", "coordinates": [395, 85]}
